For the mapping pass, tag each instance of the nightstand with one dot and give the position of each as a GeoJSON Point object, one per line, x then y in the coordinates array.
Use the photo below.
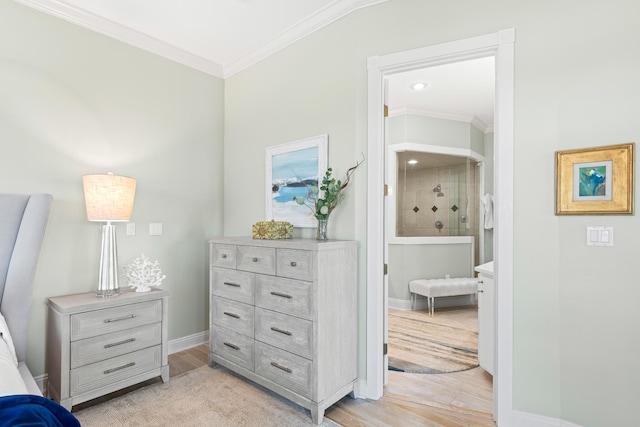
{"type": "Point", "coordinates": [96, 346]}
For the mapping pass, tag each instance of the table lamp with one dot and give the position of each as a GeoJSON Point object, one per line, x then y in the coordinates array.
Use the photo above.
{"type": "Point", "coordinates": [108, 198]}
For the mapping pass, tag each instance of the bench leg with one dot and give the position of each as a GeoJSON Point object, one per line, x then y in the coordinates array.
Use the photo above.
{"type": "Point", "coordinates": [431, 305]}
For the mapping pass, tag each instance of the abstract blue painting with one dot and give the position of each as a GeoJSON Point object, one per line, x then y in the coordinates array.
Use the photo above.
{"type": "Point", "coordinates": [292, 169]}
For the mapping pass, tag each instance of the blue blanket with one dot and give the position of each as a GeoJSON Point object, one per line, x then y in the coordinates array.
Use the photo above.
{"type": "Point", "coordinates": [30, 410]}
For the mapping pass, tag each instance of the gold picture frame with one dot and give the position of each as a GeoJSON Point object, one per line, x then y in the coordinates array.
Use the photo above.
{"type": "Point", "coordinates": [595, 181]}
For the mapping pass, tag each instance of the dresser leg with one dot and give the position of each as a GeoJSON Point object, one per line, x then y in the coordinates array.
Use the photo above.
{"type": "Point", "coordinates": [164, 374]}
{"type": "Point", "coordinates": [317, 414]}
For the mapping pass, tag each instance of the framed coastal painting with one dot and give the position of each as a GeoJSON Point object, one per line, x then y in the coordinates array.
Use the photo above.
{"type": "Point", "coordinates": [291, 170]}
{"type": "Point", "coordinates": [595, 181]}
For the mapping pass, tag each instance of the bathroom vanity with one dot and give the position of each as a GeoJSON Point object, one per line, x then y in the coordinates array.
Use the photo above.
{"type": "Point", "coordinates": [486, 317]}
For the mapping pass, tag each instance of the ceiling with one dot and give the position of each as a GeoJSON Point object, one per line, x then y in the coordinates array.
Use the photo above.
{"type": "Point", "coordinates": [222, 37]}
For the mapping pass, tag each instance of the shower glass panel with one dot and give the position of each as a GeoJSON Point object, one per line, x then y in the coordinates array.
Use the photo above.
{"type": "Point", "coordinates": [437, 195]}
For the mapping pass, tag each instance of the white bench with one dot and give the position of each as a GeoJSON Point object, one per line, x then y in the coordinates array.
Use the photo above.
{"type": "Point", "coordinates": [433, 288]}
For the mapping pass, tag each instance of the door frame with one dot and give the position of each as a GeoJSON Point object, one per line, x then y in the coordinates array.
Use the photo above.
{"type": "Point", "coordinates": [501, 46]}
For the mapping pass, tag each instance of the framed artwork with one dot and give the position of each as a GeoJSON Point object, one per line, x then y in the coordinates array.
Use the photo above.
{"type": "Point", "coordinates": [291, 169]}
{"type": "Point", "coordinates": [595, 181]}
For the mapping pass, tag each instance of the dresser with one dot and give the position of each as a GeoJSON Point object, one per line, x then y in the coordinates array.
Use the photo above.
{"type": "Point", "coordinates": [284, 315]}
{"type": "Point", "coordinates": [96, 346]}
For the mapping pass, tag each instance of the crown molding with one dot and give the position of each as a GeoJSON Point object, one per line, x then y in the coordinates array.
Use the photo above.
{"type": "Point", "coordinates": [128, 35]}
{"type": "Point", "coordinates": [123, 33]}
{"type": "Point", "coordinates": [315, 22]}
{"type": "Point", "coordinates": [425, 112]}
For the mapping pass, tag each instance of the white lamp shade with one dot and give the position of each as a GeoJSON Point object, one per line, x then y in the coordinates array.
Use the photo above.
{"type": "Point", "coordinates": [109, 197]}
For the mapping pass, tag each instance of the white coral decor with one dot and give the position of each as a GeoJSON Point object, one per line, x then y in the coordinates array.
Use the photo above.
{"type": "Point", "coordinates": [142, 274]}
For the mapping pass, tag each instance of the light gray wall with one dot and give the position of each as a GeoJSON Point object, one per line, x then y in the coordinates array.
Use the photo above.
{"type": "Point", "coordinates": [73, 102]}
{"type": "Point", "coordinates": [576, 64]}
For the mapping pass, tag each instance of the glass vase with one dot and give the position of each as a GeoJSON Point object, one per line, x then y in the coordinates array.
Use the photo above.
{"type": "Point", "coordinates": [322, 229]}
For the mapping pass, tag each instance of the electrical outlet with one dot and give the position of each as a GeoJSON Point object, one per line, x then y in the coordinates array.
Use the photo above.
{"type": "Point", "coordinates": [131, 229]}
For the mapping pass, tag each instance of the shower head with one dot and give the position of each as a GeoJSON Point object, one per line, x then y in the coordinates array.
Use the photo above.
{"type": "Point", "coordinates": [437, 189]}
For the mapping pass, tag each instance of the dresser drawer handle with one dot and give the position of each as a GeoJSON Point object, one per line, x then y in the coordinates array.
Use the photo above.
{"type": "Point", "coordinates": [235, 347]}
{"type": "Point", "coordinates": [224, 256]}
{"type": "Point", "coordinates": [282, 368]}
{"type": "Point", "coordinates": [282, 331]}
{"type": "Point", "coordinates": [254, 259]}
{"type": "Point", "coordinates": [235, 285]}
{"type": "Point", "coordinates": [293, 263]}
{"type": "Point", "coordinates": [279, 294]}
{"type": "Point", "coordinates": [131, 316]}
{"type": "Point", "coordinates": [119, 343]}
{"type": "Point", "coordinates": [231, 315]}
{"type": "Point", "coordinates": [128, 365]}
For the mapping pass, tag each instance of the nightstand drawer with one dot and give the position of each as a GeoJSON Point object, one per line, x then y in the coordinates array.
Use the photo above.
{"type": "Point", "coordinates": [232, 284]}
{"type": "Point", "coordinates": [295, 264]}
{"type": "Point", "coordinates": [256, 259]}
{"type": "Point", "coordinates": [233, 347]}
{"type": "Point", "coordinates": [286, 369]}
{"type": "Point", "coordinates": [104, 321]}
{"type": "Point", "coordinates": [95, 349]}
{"type": "Point", "coordinates": [233, 315]}
{"type": "Point", "coordinates": [223, 255]}
{"type": "Point", "coordinates": [109, 372]}
{"type": "Point", "coordinates": [284, 295]}
{"type": "Point", "coordinates": [286, 332]}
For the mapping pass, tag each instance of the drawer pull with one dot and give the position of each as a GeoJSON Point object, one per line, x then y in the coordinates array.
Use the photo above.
{"type": "Point", "coordinates": [282, 368]}
{"type": "Point", "coordinates": [235, 347]}
{"type": "Point", "coordinates": [119, 343]}
{"type": "Point", "coordinates": [282, 331]}
{"type": "Point", "coordinates": [254, 259]}
{"type": "Point", "coordinates": [232, 284]}
{"type": "Point", "coordinates": [293, 264]}
{"type": "Point", "coordinates": [231, 315]}
{"type": "Point", "coordinates": [128, 365]}
{"type": "Point", "coordinates": [224, 256]}
{"type": "Point", "coordinates": [279, 294]}
{"type": "Point", "coordinates": [131, 316]}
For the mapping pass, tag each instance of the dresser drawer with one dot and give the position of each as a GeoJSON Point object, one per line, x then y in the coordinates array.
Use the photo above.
{"type": "Point", "coordinates": [286, 332]}
{"type": "Point", "coordinates": [286, 369]}
{"type": "Point", "coordinates": [95, 349]}
{"type": "Point", "coordinates": [256, 259]}
{"type": "Point", "coordinates": [233, 315]}
{"type": "Point", "coordinates": [222, 255]}
{"type": "Point", "coordinates": [284, 295]}
{"type": "Point", "coordinates": [107, 320]}
{"type": "Point", "coordinates": [233, 347]}
{"type": "Point", "coordinates": [232, 284]}
{"type": "Point", "coordinates": [295, 264]}
{"type": "Point", "coordinates": [110, 371]}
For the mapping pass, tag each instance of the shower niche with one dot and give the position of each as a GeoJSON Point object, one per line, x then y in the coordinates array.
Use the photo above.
{"type": "Point", "coordinates": [436, 194]}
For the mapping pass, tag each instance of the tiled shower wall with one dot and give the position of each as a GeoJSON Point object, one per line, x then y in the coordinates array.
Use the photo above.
{"type": "Point", "coordinates": [419, 207]}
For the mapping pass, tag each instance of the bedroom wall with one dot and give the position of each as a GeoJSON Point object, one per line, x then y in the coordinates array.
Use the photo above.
{"type": "Point", "coordinates": [74, 102]}
{"type": "Point", "coordinates": [575, 86]}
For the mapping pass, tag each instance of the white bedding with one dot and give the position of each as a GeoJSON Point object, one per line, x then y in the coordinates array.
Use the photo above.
{"type": "Point", "coordinates": [11, 381]}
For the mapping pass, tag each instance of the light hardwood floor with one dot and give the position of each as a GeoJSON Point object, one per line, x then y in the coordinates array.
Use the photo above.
{"type": "Point", "coordinates": [447, 400]}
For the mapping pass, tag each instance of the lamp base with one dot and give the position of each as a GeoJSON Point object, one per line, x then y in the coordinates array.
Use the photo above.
{"type": "Point", "coordinates": [108, 275]}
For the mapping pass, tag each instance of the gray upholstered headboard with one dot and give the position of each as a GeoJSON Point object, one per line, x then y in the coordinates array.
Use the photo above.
{"type": "Point", "coordinates": [23, 219]}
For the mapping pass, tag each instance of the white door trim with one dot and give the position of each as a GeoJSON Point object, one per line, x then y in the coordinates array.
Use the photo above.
{"type": "Point", "coordinates": [500, 45]}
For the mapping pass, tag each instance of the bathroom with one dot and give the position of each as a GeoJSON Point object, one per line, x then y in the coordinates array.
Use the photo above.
{"type": "Point", "coordinates": [439, 171]}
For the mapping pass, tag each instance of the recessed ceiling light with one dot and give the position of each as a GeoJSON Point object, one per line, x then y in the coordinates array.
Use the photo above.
{"type": "Point", "coordinates": [412, 161]}
{"type": "Point", "coordinates": [419, 86]}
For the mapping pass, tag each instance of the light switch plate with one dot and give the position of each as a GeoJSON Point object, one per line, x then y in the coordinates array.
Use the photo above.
{"type": "Point", "coordinates": [599, 236]}
{"type": "Point", "coordinates": [131, 229]}
{"type": "Point", "coordinates": [155, 229]}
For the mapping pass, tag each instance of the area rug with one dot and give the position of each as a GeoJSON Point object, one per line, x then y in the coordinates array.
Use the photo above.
{"type": "Point", "coordinates": [201, 397]}
{"type": "Point", "coordinates": [431, 345]}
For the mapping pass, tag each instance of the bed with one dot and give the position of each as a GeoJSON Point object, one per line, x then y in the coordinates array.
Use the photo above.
{"type": "Point", "coordinates": [23, 220]}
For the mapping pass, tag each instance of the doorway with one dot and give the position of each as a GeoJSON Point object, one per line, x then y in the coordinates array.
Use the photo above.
{"type": "Point", "coordinates": [500, 46]}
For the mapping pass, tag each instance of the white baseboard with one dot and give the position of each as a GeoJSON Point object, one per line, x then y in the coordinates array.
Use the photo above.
{"type": "Point", "coordinates": [175, 346]}
{"type": "Point", "coordinates": [190, 341]}
{"type": "Point", "coordinates": [421, 302]}
{"type": "Point", "coordinates": [526, 419]}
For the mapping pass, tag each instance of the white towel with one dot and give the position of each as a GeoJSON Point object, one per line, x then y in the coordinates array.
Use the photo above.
{"type": "Point", "coordinates": [487, 203]}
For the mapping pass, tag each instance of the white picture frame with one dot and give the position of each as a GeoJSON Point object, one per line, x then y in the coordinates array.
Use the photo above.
{"type": "Point", "coordinates": [291, 169]}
